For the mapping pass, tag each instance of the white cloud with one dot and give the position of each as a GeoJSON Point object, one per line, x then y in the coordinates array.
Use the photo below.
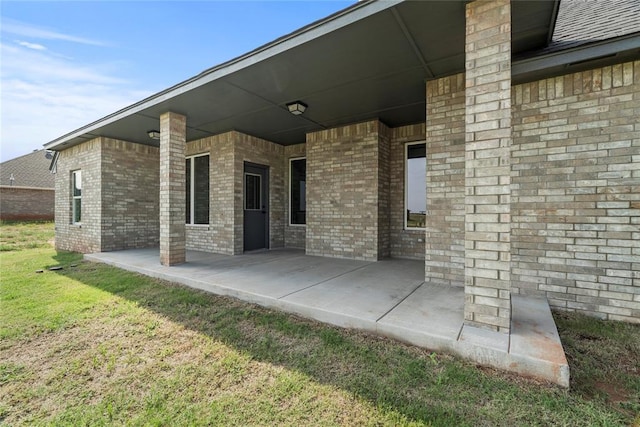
{"type": "Point", "coordinates": [26, 30]}
{"type": "Point", "coordinates": [48, 67]}
{"type": "Point", "coordinates": [45, 96]}
{"type": "Point", "coordinates": [34, 46]}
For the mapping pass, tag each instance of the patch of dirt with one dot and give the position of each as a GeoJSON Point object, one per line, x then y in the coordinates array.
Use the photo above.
{"type": "Point", "coordinates": [615, 394]}
{"type": "Point", "coordinates": [254, 333]}
{"type": "Point", "coordinates": [588, 337]}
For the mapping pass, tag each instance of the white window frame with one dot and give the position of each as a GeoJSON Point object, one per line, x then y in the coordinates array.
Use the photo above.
{"type": "Point", "coordinates": [291, 160]}
{"type": "Point", "coordinates": [192, 189]}
{"type": "Point", "coordinates": [74, 198]}
{"type": "Point", "coordinates": [406, 185]}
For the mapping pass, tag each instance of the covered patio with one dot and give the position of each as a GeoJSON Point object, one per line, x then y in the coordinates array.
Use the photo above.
{"type": "Point", "coordinates": [388, 297]}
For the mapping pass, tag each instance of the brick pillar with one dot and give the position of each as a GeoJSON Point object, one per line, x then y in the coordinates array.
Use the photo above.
{"type": "Point", "coordinates": [487, 164]}
{"type": "Point", "coordinates": [173, 133]}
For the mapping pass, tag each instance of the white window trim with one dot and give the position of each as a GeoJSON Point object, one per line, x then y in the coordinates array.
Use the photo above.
{"type": "Point", "coordinates": [289, 192]}
{"type": "Point", "coordinates": [259, 193]}
{"type": "Point", "coordinates": [192, 189]}
{"type": "Point", "coordinates": [406, 185]}
{"type": "Point", "coordinates": [74, 198]}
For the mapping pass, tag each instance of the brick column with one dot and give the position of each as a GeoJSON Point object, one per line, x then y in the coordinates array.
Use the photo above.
{"type": "Point", "coordinates": [487, 164]}
{"type": "Point", "coordinates": [172, 188]}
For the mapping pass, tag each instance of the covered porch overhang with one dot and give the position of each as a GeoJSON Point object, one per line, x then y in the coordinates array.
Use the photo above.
{"type": "Point", "coordinates": [388, 297]}
{"type": "Point", "coordinates": [369, 61]}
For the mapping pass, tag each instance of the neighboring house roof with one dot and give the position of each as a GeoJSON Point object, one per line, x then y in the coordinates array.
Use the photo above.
{"type": "Point", "coordinates": [30, 170]}
{"type": "Point", "coordinates": [367, 61]}
{"type": "Point", "coordinates": [587, 34]}
{"type": "Point", "coordinates": [580, 23]}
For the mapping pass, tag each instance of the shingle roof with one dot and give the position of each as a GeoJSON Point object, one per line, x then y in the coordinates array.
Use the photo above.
{"type": "Point", "coordinates": [586, 21]}
{"type": "Point", "coordinates": [30, 170]}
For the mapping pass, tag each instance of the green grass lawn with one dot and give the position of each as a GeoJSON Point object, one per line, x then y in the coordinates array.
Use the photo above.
{"type": "Point", "coordinates": [17, 235]}
{"type": "Point", "coordinates": [94, 345]}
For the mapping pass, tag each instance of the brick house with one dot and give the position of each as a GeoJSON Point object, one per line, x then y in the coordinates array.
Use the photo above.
{"type": "Point", "coordinates": [27, 188]}
{"type": "Point", "coordinates": [497, 141]}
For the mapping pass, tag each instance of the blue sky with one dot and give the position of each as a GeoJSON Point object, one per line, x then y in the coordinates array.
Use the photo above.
{"type": "Point", "coordinates": [66, 64]}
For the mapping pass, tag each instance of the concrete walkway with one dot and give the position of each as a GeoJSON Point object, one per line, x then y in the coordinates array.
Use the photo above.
{"type": "Point", "coordinates": [387, 297]}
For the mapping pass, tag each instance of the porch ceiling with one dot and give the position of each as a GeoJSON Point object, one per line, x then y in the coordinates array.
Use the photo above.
{"type": "Point", "coordinates": [369, 61]}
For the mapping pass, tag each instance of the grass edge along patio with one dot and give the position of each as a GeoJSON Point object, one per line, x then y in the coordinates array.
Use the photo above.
{"type": "Point", "coordinates": [530, 159]}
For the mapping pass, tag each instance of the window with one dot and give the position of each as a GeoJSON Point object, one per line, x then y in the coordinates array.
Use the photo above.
{"type": "Point", "coordinates": [297, 191]}
{"type": "Point", "coordinates": [252, 192]}
{"type": "Point", "coordinates": [76, 196]}
{"type": "Point", "coordinates": [415, 185]}
{"type": "Point", "coordinates": [197, 189]}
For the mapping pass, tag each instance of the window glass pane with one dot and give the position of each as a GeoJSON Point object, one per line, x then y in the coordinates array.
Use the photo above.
{"type": "Point", "coordinates": [77, 183]}
{"type": "Point", "coordinates": [76, 196]}
{"type": "Point", "coordinates": [197, 190]}
{"type": "Point", "coordinates": [188, 190]}
{"type": "Point", "coordinates": [298, 198]}
{"type": "Point", "coordinates": [77, 210]}
{"type": "Point", "coordinates": [201, 190]}
{"type": "Point", "coordinates": [416, 185]}
{"type": "Point", "coordinates": [252, 191]}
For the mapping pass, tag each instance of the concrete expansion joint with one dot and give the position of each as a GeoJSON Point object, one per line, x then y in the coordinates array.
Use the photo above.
{"type": "Point", "coordinates": [323, 281]}
{"type": "Point", "coordinates": [399, 302]}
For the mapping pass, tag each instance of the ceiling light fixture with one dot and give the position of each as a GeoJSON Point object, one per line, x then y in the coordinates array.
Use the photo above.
{"type": "Point", "coordinates": [297, 107]}
{"type": "Point", "coordinates": [153, 134]}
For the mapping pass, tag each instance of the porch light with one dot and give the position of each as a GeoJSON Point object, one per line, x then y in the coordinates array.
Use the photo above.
{"type": "Point", "coordinates": [297, 107]}
{"type": "Point", "coordinates": [153, 134]}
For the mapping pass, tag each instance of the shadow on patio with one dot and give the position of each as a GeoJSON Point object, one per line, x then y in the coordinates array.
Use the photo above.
{"type": "Point", "coordinates": [407, 381]}
{"type": "Point", "coordinates": [388, 297]}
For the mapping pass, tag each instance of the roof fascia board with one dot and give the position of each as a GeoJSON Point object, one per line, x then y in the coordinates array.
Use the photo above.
{"type": "Point", "coordinates": [313, 31]}
{"type": "Point", "coordinates": [554, 20]}
{"type": "Point", "coordinates": [18, 187]}
{"type": "Point", "coordinates": [574, 55]}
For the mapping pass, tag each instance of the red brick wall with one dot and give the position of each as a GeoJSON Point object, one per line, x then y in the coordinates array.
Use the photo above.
{"type": "Point", "coordinates": [21, 203]}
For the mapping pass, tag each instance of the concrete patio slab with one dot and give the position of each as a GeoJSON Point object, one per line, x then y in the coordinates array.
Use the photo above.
{"type": "Point", "coordinates": [363, 295]}
{"type": "Point", "coordinates": [287, 275]}
{"type": "Point", "coordinates": [432, 317]}
{"type": "Point", "coordinates": [386, 297]}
